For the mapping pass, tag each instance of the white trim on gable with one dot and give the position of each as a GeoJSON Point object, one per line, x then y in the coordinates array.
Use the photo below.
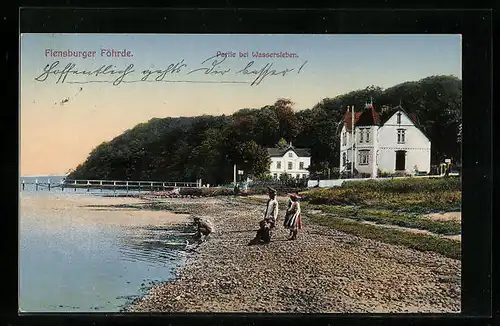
{"type": "Point", "coordinates": [405, 125]}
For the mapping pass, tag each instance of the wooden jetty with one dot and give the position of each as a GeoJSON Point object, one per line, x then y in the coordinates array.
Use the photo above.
{"type": "Point", "coordinates": [111, 185]}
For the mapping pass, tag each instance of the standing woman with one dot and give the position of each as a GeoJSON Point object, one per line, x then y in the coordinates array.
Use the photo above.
{"type": "Point", "coordinates": [293, 217]}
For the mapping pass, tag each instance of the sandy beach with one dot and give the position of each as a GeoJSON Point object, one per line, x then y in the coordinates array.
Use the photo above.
{"type": "Point", "coordinates": [323, 271]}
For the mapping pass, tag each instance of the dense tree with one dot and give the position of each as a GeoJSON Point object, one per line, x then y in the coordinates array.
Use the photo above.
{"type": "Point", "coordinates": [207, 147]}
{"type": "Point", "coordinates": [288, 122]}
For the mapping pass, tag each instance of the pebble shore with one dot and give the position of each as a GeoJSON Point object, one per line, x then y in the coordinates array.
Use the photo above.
{"type": "Point", "coordinates": [323, 271]}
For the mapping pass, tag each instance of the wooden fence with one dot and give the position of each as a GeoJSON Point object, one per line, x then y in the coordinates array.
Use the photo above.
{"type": "Point", "coordinates": [111, 185]}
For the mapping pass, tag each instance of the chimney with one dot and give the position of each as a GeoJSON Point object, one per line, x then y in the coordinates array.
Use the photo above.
{"type": "Point", "coordinates": [347, 117]}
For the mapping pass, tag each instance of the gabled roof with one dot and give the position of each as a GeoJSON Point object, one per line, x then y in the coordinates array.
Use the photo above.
{"type": "Point", "coordinates": [277, 151]}
{"type": "Point", "coordinates": [413, 117]}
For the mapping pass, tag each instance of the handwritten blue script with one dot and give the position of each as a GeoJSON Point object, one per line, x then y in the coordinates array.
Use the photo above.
{"type": "Point", "coordinates": [216, 68]}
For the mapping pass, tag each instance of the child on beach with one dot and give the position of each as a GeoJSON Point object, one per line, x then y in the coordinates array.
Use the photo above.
{"type": "Point", "coordinates": [203, 228]}
{"type": "Point", "coordinates": [293, 217]}
{"type": "Point", "coordinates": [270, 216]}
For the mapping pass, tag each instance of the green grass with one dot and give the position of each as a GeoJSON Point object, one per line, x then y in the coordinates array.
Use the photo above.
{"type": "Point", "coordinates": [392, 218]}
{"type": "Point", "coordinates": [422, 242]}
{"type": "Point", "coordinates": [414, 202]}
{"type": "Point", "coordinates": [406, 185]}
{"type": "Point", "coordinates": [379, 216]}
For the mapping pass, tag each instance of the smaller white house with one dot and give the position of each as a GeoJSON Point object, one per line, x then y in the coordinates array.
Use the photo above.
{"type": "Point", "coordinates": [291, 160]}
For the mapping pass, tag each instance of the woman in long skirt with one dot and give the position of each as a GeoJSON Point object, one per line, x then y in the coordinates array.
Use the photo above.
{"type": "Point", "coordinates": [293, 217]}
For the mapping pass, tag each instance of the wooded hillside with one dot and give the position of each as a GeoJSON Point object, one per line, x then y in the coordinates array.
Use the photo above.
{"type": "Point", "coordinates": [206, 147]}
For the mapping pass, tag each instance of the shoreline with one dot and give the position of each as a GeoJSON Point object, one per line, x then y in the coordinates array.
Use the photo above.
{"type": "Point", "coordinates": [119, 245]}
{"type": "Point", "coordinates": [328, 271]}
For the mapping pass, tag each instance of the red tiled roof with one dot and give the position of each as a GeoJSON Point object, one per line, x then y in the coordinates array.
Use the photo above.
{"type": "Point", "coordinates": [348, 119]}
{"type": "Point", "coordinates": [375, 114]}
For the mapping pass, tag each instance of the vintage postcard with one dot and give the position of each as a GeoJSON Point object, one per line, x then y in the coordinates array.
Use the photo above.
{"type": "Point", "coordinates": [240, 173]}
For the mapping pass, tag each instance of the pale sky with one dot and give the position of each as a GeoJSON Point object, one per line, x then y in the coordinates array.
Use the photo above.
{"type": "Point", "coordinates": [60, 123]}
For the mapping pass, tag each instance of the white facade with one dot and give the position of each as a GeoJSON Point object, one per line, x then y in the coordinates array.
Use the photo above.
{"type": "Point", "coordinates": [396, 146]}
{"type": "Point", "coordinates": [291, 163]}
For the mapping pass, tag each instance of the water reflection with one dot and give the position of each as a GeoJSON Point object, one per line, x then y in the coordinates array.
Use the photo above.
{"type": "Point", "coordinates": [75, 259]}
{"type": "Point", "coordinates": [153, 245]}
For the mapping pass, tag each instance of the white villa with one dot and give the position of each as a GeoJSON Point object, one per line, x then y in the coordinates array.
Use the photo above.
{"type": "Point", "coordinates": [395, 145]}
{"type": "Point", "coordinates": [290, 160]}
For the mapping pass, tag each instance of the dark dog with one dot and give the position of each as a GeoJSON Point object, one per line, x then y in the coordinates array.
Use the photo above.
{"type": "Point", "coordinates": [263, 234]}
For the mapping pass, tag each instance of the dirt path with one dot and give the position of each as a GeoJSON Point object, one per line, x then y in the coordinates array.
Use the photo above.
{"type": "Point", "coordinates": [322, 271]}
{"type": "Point", "coordinates": [449, 216]}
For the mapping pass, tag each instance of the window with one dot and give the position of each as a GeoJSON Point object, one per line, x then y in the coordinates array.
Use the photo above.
{"type": "Point", "coordinates": [344, 159]}
{"type": "Point", "coordinates": [361, 135]}
{"type": "Point", "coordinates": [363, 157]}
{"type": "Point", "coordinates": [399, 118]}
{"type": "Point", "coordinates": [301, 166]}
{"type": "Point", "coordinates": [278, 165]}
{"type": "Point", "coordinates": [344, 139]}
{"type": "Point", "coordinates": [290, 165]}
{"type": "Point", "coordinates": [290, 154]}
{"type": "Point", "coordinates": [401, 136]}
{"type": "Point", "coordinates": [367, 135]}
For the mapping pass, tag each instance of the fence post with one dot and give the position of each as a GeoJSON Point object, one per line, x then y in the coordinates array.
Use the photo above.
{"type": "Point", "coordinates": [139, 186]}
{"type": "Point", "coordinates": [75, 185]}
{"type": "Point", "coordinates": [152, 186]}
{"type": "Point", "coordinates": [48, 182]}
{"type": "Point", "coordinates": [127, 187]}
{"type": "Point", "coordinates": [163, 186]}
{"type": "Point", "coordinates": [100, 184]}
{"type": "Point", "coordinates": [88, 185]}
{"type": "Point", "coordinates": [23, 185]}
{"type": "Point", "coordinates": [114, 186]}
{"type": "Point", "coordinates": [36, 184]}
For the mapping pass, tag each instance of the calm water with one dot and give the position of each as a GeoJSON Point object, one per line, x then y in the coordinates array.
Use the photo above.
{"type": "Point", "coordinates": [90, 267]}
